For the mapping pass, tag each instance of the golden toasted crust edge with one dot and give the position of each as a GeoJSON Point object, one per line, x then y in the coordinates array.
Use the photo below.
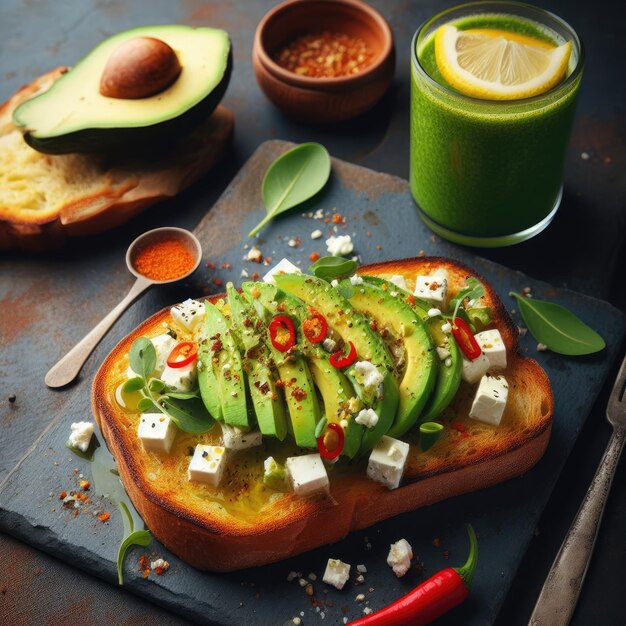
{"type": "Point", "coordinates": [207, 545]}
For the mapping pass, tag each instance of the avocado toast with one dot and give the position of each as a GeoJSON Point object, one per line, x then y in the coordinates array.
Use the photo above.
{"type": "Point", "coordinates": [349, 370]}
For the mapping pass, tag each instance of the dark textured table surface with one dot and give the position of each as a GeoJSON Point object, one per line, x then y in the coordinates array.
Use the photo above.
{"type": "Point", "coordinates": [583, 249]}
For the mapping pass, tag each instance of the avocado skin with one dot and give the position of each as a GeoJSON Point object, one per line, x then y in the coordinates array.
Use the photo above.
{"type": "Point", "coordinates": [133, 140]}
{"type": "Point", "coordinates": [421, 371]}
{"type": "Point", "coordinates": [333, 385]}
{"type": "Point", "coordinates": [369, 345]}
{"type": "Point", "coordinates": [269, 406]}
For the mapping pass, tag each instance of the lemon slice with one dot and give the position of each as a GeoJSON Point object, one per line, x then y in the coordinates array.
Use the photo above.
{"type": "Point", "coordinates": [498, 65]}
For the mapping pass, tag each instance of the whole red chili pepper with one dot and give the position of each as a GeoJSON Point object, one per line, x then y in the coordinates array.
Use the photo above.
{"type": "Point", "coordinates": [282, 333]}
{"type": "Point", "coordinates": [430, 600]}
{"type": "Point", "coordinates": [465, 338]}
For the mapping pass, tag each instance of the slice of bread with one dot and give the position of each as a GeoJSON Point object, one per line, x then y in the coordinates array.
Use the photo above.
{"type": "Point", "coordinates": [45, 198]}
{"type": "Point", "coordinates": [241, 526]}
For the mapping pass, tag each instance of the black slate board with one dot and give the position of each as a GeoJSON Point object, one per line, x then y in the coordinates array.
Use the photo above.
{"type": "Point", "coordinates": [381, 217]}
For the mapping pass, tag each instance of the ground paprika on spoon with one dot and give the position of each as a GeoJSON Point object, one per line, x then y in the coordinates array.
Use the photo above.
{"type": "Point", "coordinates": [164, 260]}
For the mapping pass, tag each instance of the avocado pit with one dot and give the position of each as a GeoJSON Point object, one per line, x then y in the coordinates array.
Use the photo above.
{"type": "Point", "coordinates": [138, 68]}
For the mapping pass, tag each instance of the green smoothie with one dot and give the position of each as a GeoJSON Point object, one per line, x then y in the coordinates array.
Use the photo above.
{"type": "Point", "coordinates": [487, 172]}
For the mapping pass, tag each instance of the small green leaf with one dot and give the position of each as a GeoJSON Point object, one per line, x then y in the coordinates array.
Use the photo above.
{"type": "Point", "coordinates": [557, 327]}
{"type": "Point", "coordinates": [429, 434]}
{"type": "Point", "coordinates": [133, 384]}
{"type": "Point", "coordinates": [147, 404]}
{"type": "Point", "coordinates": [136, 538]}
{"type": "Point", "coordinates": [473, 289]}
{"type": "Point", "coordinates": [183, 395]}
{"type": "Point", "coordinates": [156, 385]}
{"type": "Point", "coordinates": [331, 267]}
{"type": "Point", "coordinates": [321, 427]}
{"type": "Point", "coordinates": [190, 415]}
{"type": "Point", "coordinates": [480, 317]}
{"type": "Point", "coordinates": [292, 178]}
{"type": "Point", "coordinates": [142, 357]}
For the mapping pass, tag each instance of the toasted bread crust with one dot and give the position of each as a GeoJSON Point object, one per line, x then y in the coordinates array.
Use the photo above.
{"type": "Point", "coordinates": [111, 191]}
{"type": "Point", "coordinates": [211, 538]}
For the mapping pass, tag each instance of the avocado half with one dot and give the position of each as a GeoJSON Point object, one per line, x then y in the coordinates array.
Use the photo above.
{"type": "Point", "coordinates": [73, 116]}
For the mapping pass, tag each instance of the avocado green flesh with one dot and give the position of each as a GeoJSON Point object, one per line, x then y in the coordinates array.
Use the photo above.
{"type": "Point", "coordinates": [419, 304]}
{"type": "Point", "coordinates": [72, 116]}
{"type": "Point", "coordinates": [228, 369]}
{"type": "Point", "coordinates": [300, 395]}
{"type": "Point", "coordinates": [420, 373]}
{"type": "Point", "coordinates": [268, 404]}
{"type": "Point", "coordinates": [334, 387]}
{"type": "Point", "coordinates": [449, 377]}
{"type": "Point", "coordinates": [354, 327]}
{"type": "Point", "coordinates": [209, 388]}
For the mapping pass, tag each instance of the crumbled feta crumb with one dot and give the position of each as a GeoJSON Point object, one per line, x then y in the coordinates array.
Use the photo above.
{"type": "Point", "coordinates": [319, 214]}
{"type": "Point", "coordinates": [337, 573]}
{"type": "Point", "coordinates": [360, 597]}
{"type": "Point", "coordinates": [584, 156]}
{"type": "Point", "coordinates": [334, 283]}
{"type": "Point", "coordinates": [367, 418]}
{"type": "Point", "coordinates": [316, 234]}
{"type": "Point", "coordinates": [329, 344]}
{"type": "Point", "coordinates": [244, 273]}
{"type": "Point", "coordinates": [292, 243]}
{"type": "Point", "coordinates": [367, 375]}
{"type": "Point", "coordinates": [161, 564]}
{"type": "Point", "coordinates": [541, 347]}
{"type": "Point", "coordinates": [367, 610]}
{"type": "Point", "coordinates": [254, 255]}
{"type": "Point", "coordinates": [399, 558]}
{"type": "Point", "coordinates": [292, 576]}
{"type": "Point", "coordinates": [81, 434]}
{"type": "Point", "coordinates": [434, 312]}
{"type": "Point", "coordinates": [340, 245]}
{"type": "Point", "coordinates": [361, 569]}
{"type": "Point", "coordinates": [360, 579]}
{"type": "Point", "coordinates": [302, 582]}
{"type": "Point", "coordinates": [356, 280]}
{"type": "Point", "coordinates": [296, 621]}
{"type": "Point", "coordinates": [446, 328]}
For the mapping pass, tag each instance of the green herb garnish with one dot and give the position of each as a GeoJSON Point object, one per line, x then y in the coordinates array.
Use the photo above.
{"type": "Point", "coordinates": [557, 327]}
{"type": "Point", "coordinates": [333, 267]}
{"type": "Point", "coordinates": [184, 408]}
{"type": "Point", "coordinates": [473, 290]}
{"type": "Point", "coordinates": [292, 178]}
{"type": "Point", "coordinates": [134, 538]}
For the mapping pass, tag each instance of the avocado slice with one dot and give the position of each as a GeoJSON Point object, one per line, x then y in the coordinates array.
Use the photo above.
{"type": "Point", "coordinates": [73, 116]}
{"type": "Point", "coordinates": [419, 304]}
{"type": "Point", "coordinates": [449, 377]}
{"type": "Point", "coordinates": [418, 378]}
{"type": "Point", "coordinates": [337, 393]}
{"type": "Point", "coordinates": [268, 405]}
{"type": "Point", "coordinates": [354, 327]}
{"type": "Point", "coordinates": [207, 381]}
{"type": "Point", "coordinates": [300, 394]}
{"type": "Point", "coordinates": [227, 369]}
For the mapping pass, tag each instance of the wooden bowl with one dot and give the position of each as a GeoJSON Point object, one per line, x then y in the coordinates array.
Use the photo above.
{"type": "Point", "coordinates": [323, 100]}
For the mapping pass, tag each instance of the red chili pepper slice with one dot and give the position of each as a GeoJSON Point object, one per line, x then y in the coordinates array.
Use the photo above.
{"type": "Point", "coordinates": [328, 451]}
{"type": "Point", "coordinates": [431, 599]}
{"type": "Point", "coordinates": [315, 328]}
{"type": "Point", "coordinates": [466, 340]}
{"type": "Point", "coordinates": [340, 360]}
{"type": "Point", "coordinates": [282, 333]}
{"type": "Point", "coordinates": [183, 354]}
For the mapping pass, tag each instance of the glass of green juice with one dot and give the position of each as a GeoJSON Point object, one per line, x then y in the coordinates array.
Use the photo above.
{"type": "Point", "coordinates": [489, 172]}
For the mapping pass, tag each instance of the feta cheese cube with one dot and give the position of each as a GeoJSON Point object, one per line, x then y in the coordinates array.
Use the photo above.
{"type": "Point", "coordinates": [237, 439]}
{"type": "Point", "coordinates": [336, 573]}
{"type": "Point", "coordinates": [163, 344]}
{"type": "Point", "coordinates": [387, 461]}
{"type": "Point", "coordinates": [474, 370]}
{"type": "Point", "coordinates": [339, 245]}
{"type": "Point", "coordinates": [284, 266]}
{"type": "Point", "coordinates": [432, 288]}
{"type": "Point", "coordinates": [188, 313]}
{"type": "Point", "coordinates": [399, 558]}
{"type": "Point", "coordinates": [367, 418]}
{"type": "Point", "coordinates": [356, 280]}
{"type": "Point", "coordinates": [207, 464]}
{"type": "Point", "coordinates": [399, 281]}
{"type": "Point", "coordinates": [367, 375]}
{"type": "Point", "coordinates": [490, 400]}
{"type": "Point", "coordinates": [307, 474]}
{"type": "Point", "coordinates": [157, 432]}
{"type": "Point", "coordinates": [81, 434]}
{"type": "Point", "coordinates": [180, 378]}
{"type": "Point", "coordinates": [490, 342]}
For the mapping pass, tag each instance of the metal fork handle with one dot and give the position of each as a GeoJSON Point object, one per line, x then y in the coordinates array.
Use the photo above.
{"type": "Point", "coordinates": [557, 600]}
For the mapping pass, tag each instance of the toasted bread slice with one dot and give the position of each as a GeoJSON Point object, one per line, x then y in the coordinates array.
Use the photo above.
{"type": "Point", "coordinates": [241, 525]}
{"type": "Point", "coordinates": [45, 198]}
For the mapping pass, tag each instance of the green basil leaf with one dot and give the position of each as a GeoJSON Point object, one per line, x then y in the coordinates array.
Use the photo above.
{"type": "Point", "coordinates": [156, 385]}
{"type": "Point", "coordinates": [142, 357]}
{"type": "Point", "coordinates": [292, 178]}
{"type": "Point", "coordinates": [429, 434]}
{"type": "Point", "coordinates": [136, 538]}
{"type": "Point", "coordinates": [182, 395]}
{"type": "Point", "coordinates": [331, 267]}
{"type": "Point", "coordinates": [473, 289]}
{"type": "Point", "coordinates": [190, 415]}
{"type": "Point", "coordinates": [133, 384]}
{"type": "Point", "coordinates": [480, 316]}
{"type": "Point", "coordinates": [146, 405]}
{"type": "Point", "coordinates": [321, 427]}
{"type": "Point", "coordinates": [557, 327]}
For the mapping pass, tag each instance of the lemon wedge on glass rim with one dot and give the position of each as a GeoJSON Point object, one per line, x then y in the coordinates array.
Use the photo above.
{"type": "Point", "coordinates": [495, 64]}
